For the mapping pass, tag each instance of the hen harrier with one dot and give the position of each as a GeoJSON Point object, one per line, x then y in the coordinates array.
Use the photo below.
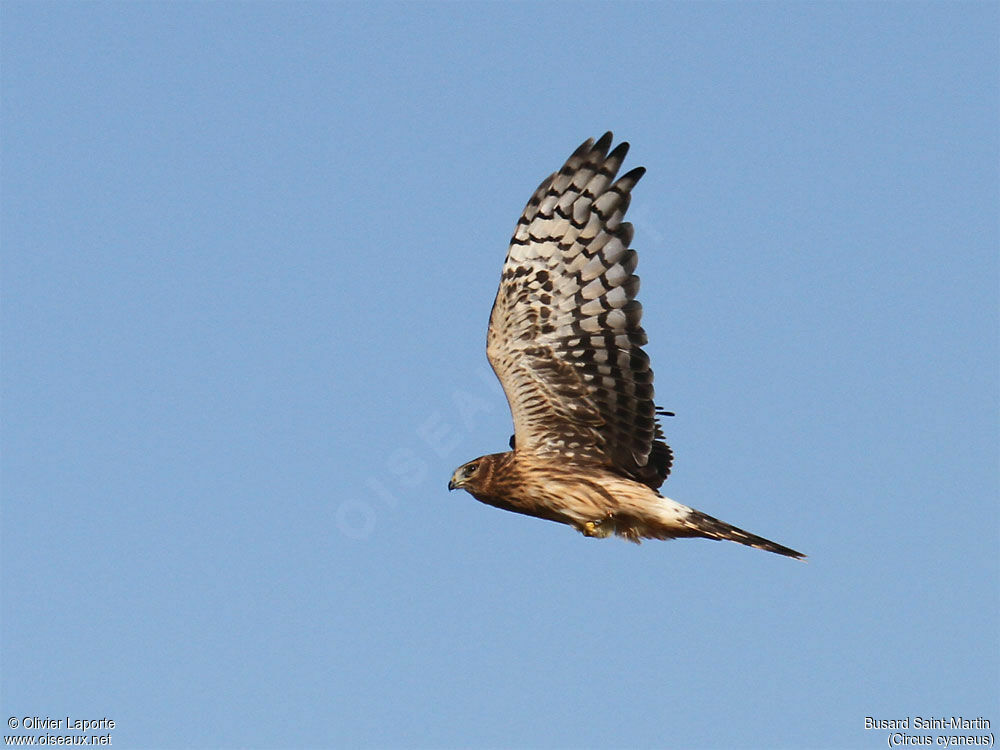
{"type": "Point", "coordinates": [566, 343]}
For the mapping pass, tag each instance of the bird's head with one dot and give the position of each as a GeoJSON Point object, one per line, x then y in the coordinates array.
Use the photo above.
{"type": "Point", "coordinates": [479, 476]}
{"type": "Point", "coordinates": [466, 475]}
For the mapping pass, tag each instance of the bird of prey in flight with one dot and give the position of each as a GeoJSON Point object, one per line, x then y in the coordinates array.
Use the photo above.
{"type": "Point", "coordinates": [565, 340]}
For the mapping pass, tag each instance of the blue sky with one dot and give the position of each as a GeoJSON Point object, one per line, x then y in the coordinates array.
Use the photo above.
{"type": "Point", "coordinates": [248, 256]}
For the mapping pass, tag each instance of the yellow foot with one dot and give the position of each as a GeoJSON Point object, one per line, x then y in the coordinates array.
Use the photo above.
{"type": "Point", "coordinates": [598, 528]}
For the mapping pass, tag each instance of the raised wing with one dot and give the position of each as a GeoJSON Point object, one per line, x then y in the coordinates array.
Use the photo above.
{"type": "Point", "coordinates": [565, 338]}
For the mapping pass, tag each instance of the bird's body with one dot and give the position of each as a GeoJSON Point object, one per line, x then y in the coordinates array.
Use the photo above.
{"type": "Point", "coordinates": [565, 340]}
{"type": "Point", "coordinates": [596, 503]}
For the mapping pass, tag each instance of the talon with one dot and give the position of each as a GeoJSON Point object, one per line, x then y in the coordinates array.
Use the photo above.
{"type": "Point", "coordinates": [598, 528]}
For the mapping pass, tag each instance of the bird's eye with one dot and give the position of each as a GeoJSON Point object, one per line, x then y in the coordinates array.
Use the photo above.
{"type": "Point", "coordinates": [471, 469]}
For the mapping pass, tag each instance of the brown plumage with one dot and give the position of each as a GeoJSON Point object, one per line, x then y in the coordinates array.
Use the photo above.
{"type": "Point", "coordinates": [565, 340]}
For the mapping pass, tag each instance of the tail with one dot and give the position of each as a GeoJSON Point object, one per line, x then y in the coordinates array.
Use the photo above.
{"type": "Point", "coordinates": [704, 525]}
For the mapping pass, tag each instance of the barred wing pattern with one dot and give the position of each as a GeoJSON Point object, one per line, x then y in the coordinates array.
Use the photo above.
{"type": "Point", "coordinates": [565, 338]}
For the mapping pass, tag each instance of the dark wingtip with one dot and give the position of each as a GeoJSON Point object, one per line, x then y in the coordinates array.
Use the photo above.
{"type": "Point", "coordinates": [584, 148]}
{"type": "Point", "coordinates": [618, 152]}
{"type": "Point", "coordinates": [604, 141]}
{"type": "Point", "coordinates": [633, 175]}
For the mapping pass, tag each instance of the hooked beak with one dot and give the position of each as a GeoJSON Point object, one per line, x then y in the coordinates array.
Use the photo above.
{"type": "Point", "coordinates": [452, 485]}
